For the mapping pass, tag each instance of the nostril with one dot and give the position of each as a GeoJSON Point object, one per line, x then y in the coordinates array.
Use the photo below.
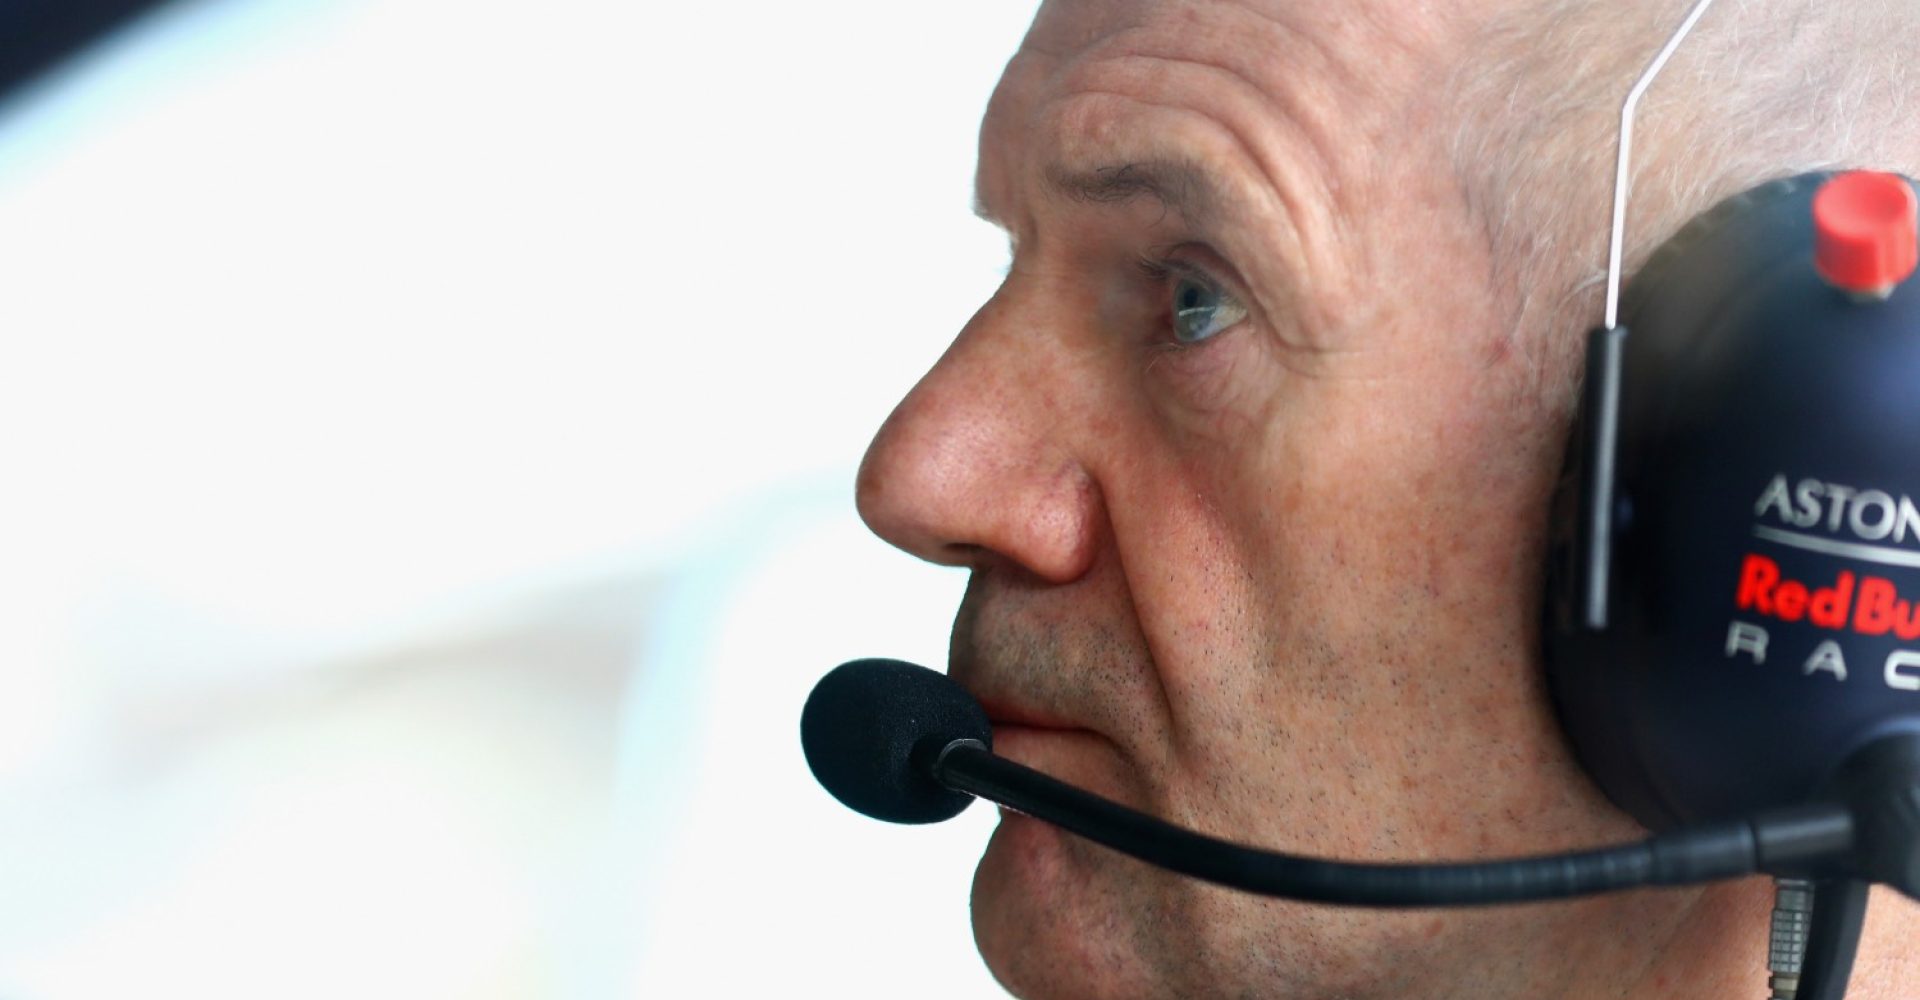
{"type": "Point", "coordinates": [966, 554]}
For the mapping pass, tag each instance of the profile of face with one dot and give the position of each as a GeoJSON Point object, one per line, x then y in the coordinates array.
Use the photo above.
{"type": "Point", "coordinates": [1251, 471]}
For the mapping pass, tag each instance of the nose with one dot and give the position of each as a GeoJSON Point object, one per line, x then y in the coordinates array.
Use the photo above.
{"type": "Point", "coordinates": [979, 460]}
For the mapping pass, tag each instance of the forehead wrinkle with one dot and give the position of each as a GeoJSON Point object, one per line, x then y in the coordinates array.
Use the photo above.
{"type": "Point", "coordinates": [1291, 88]}
{"type": "Point", "coordinates": [1299, 172]}
{"type": "Point", "coordinates": [1081, 137]}
{"type": "Point", "coordinates": [1317, 75]}
{"type": "Point", "coordinates": [1326, 74]}
{"type": "Point", "coordinates": [1330, 103]}
{"type": "Point", "coordinates": [995, 178]}
{"type": "Point", "coordinates": [1066, 46]}
{"type": "Point", "coordinates": [1289, 182]}
{"type": "Point", "coordinates": [1265, 214]}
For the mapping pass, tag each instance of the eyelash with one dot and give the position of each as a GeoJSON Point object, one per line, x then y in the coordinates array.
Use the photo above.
{"type": "Point", "coordinates": [1161, 267]}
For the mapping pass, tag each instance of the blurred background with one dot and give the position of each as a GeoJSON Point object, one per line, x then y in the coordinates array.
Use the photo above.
{"type": "Point", "coordinates": [429, 432]}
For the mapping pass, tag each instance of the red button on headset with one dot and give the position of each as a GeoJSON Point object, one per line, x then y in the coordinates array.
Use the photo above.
{"type": "Point", "coordinates": [1864, 232]}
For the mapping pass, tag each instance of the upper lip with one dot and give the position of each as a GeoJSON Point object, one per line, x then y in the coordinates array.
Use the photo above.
{"type": "Point", "coordinates": [1004, 709]}
{"type": "Point", "coordinates": [1009, 713]}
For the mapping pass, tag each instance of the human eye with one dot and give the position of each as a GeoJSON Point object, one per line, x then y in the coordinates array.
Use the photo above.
{"type": "Point", "coordinates": [1198, 307]}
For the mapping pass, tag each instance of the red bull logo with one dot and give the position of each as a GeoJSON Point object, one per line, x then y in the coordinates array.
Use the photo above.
{"type": "Point", "coordinates": [1874, 607]}
{"type": "Point", "coordinates": [1861, 601]}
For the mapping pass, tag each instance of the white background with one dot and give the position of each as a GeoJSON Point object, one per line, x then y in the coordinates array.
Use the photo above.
{"type": "Point", "coordinates": [430, 429]}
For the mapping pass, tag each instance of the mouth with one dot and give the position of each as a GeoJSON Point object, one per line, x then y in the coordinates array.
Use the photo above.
{"type": "Point", "coordinates": [1032, 734]}
{"type": "Point", "coordinates": [1018, 724]}
{"type": "Point", "coordinates": [1057, 745]}
{"type": "Point", "coordinates": [1006, 714]}
{"type": "Point", "coordinates": [1041, 740]}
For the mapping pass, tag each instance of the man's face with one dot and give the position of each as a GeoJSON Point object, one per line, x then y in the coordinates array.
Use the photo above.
{"type": "Point", "coordinates": [1250, 470]}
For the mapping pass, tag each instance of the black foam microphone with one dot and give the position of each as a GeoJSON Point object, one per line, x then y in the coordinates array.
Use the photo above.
{"type": "Point", "coordinates": [906, 744]}
{"type": "Point", "coordinates": [871, 729]}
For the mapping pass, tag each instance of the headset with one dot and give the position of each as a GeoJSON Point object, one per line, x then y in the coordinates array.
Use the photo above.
{"type": "Point", "coordinates": [1733, 597]}
{"type": "Point", "coordinates": [1732, 613]}
{"type": "Point", "coordinates": [1733, 616]}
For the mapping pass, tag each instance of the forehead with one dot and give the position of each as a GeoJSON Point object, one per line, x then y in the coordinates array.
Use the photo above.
{"type": "Point", "coordinates": [1276, 92]}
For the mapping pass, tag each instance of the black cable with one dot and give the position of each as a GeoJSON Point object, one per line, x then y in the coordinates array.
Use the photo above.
{"type": "Point", "coordinates": [1682, 857]}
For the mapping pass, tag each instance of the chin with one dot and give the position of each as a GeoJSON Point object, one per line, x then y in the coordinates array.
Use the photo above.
{"type": "Point", "coordinates": [1059, 918]}
{"type": "Point", "coordinates": [1054, 917]}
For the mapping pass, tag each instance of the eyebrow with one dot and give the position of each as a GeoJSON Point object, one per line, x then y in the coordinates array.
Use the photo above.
{"type": "Point", "coordinates": [1182, 188]}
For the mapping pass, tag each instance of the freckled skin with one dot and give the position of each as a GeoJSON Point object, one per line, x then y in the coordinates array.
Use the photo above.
{"type": "Point", "coordinates": [1282, 585]}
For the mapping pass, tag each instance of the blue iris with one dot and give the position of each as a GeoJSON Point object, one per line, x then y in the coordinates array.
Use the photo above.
{"type": "Point", "coordinates": [1201, 310]}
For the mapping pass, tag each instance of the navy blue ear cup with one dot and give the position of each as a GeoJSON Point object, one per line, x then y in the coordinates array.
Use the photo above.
{"type": "Point", "coordinates": [1761, 567]}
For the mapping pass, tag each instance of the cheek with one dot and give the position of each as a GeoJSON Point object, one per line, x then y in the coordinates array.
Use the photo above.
{"type": "Point", "coordinates": [1187, 570]}
{"type": "Point", "coordinates": [1331, 518]}
{"type": "Point", "coordinates": [1352, 516]}
{"type": "Point", "coordinates": [1408, 472]}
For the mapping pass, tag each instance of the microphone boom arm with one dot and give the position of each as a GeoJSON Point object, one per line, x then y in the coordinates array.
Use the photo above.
{"type": "Point", "coordinates": [1782, 840]}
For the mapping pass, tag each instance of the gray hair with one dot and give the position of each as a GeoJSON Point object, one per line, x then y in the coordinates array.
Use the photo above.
{"type": "Point", "coordinates": [1762, 89]}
